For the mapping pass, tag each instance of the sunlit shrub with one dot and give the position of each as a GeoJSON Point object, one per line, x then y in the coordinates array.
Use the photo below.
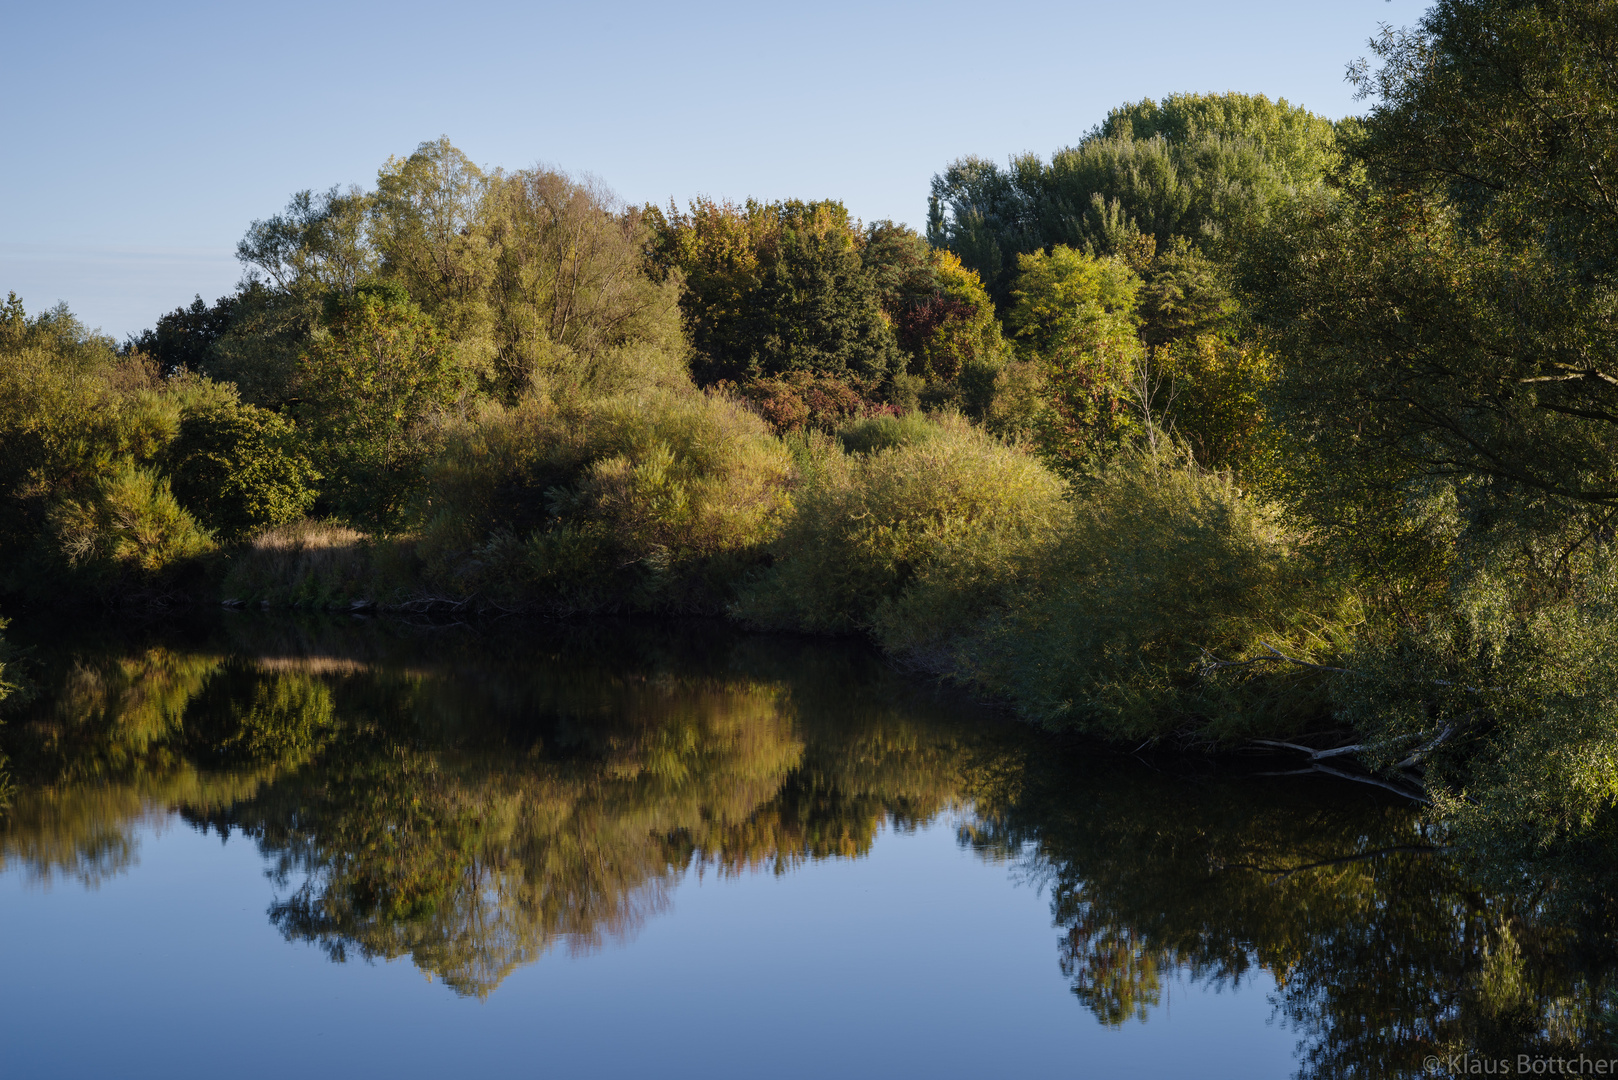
{"type": "Point", "coordinates": [128, 526]}
{"type": "Point", "coordinates": [886, 432]}
{"type": "Point", "coordinates": [909, 542]}
{"type": "Point", "coordinates": [660, 499]}
{"type": "Point", "coordinates": [1164, 572]}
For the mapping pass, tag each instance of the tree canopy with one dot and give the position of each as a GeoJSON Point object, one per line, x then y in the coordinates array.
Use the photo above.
{"type": "Point", "coordinates": [1199, 167]}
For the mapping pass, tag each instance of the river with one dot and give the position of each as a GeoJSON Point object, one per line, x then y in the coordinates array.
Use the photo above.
{"type": "Point", "coordinates": [252, 845]}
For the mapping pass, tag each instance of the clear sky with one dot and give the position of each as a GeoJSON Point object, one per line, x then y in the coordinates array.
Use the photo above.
{"type": "Point", "coordinates": [144, 138]}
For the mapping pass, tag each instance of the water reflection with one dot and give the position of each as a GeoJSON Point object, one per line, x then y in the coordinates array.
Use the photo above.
{"type": "Point", "coordinates": [473, 797]}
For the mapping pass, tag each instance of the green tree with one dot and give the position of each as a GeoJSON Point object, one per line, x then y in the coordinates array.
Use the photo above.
{"type": "Point", "coordinates": [574, 308]}
{"type": "Point", "coordinates": [1200, 167]}
{"type": "Point", "coordinates": [1451, 411]}
{"type": "Point", "coordinates": [318, 242]}
{"type": "Point", "coordinates": [183, 339]}
{"type": "Point", "coordinates": [239, 469]}
{"type": "Point", "coordinates": [535, 278]}
{"type": "Point", "coordinates": [1298, 144]}
{"type": "Point", "coordinates": [1074, 316]}
{"type": "Point", "coordinates": [1446, 322]}
{"type": "Point", "coordinates": [431, 226]}
{"type": "Point", "coordinates": [369, 387]}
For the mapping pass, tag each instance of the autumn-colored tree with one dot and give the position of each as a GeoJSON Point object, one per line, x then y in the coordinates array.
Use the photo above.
{"type": "Point", "coordinates": [772, 288]}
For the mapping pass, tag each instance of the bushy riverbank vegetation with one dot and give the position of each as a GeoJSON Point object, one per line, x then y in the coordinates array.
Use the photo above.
{"type": "Point", "coordinates": [1228, 423]}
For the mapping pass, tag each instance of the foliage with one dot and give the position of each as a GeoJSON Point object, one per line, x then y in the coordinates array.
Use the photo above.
{"type": "Point", "coordinates": [239, 469]}
{"type": "Point", "coordinates": [127, 525]}
{"type": "Point", "coordinates": [650, 500]}
{"type": "Point", "coordinates": [318, 243]}
{"type": "Point", "coordinates": [83, 432]}
{"type": "Point", "coordinates": [183, 339]}
{"type": "Point", "coordinates": [908, 541]}
{"type": "Point", "coordinates": [1448, 417]}
{"type": "Point", "coordinates": [1163, 573]}
{"type": "Point", "coordinates": [953, 339]}
{"type": "Point", "coordinates": [266, 330]}
{"type": "Point", "coordinates": [802, 399]}
{"type": "Point", "coordinates": [368, 390]}
{"type": "Point", "coordinates": [888, 432]}
{"type": "Point", "coordinates": [1508, 690]}
{"type": "Point", "coordinates": [574, 308]}
{"type": "Point", "coordinates": [534, 277]}
{"type": "Point", "coordinates": [1203, 168]}
{"type": "Point", "coordinates": [1299, 145]}
{"type": "Point", "coordinates": [1114, 354]}
{"type": "Point", "coordinates": [774, 288]}
{"type": "Point", "coordinates": [1075, 315]}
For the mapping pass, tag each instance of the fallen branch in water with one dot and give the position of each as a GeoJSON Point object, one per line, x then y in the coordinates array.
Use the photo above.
{"type": "Point", "coordinates": [1314, 755]}
{"type": "Point", "coordinates": [1422, 751]}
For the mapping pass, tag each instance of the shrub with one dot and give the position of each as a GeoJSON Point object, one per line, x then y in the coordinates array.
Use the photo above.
{"type": "Point", "coordinates": [658, 500]}
{"type": "Point", "coordinates": [75, 417]}
{"type": "Point", "coordinates": [238, 469]}
{"type": "Point", "coordinates": [1164, 571]}
{"type": "Point", "coordinates": [128, 526]}
{"type": "Point", "coordinates": [909, 542]}
{"type": "Point", "coordinates": [886, 432]}
{"type": "Point", "coordinates": [1506, 695]}
{"type": "Point", "coordinates": [797, 400]}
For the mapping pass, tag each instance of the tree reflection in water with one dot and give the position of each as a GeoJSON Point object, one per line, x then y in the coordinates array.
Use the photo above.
{"type": "Point", "coordinates": [473, 798]}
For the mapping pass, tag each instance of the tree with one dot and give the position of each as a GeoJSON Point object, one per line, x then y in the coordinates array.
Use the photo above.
{"type": "Point", "coordinates": [1200, 168]}
{"type": "Point", "coordinates": [1298, 144]}
{"type": "Point", "coordinates": [573, 305]}
{"type": "Point", "coordinates": [900, 263]}
{"type": "Point", "coordinates": [953, 329]}
{"type": "Point", "coordinates": [430, 224]}
{"type": "Point", "coordinates": [1451, 409]}
{"type": "Point", "coordinates": [536, 279]}
{"type": "Point", "coordinates": [318, 242]}
{"type": "Point", "coordinates": [1450, 319]}
{"type": "Point", "coordinates": [775, 288]}
{"type": "Point", "coordinates": [238, 469]}
{"type": "Point", "coordinates": [183, 339]}
{"type": "Point", "coordinates": [1074, 315]}
{"type": "Point", "coordinates": [368, 387]}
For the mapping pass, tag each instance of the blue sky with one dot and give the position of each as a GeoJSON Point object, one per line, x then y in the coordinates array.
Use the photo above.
{"type": "Point", "coordinates": [144, 138]}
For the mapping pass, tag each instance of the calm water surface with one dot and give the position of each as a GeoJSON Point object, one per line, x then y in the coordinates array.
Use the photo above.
{"type": "Point", "coordinates": [266, 847]}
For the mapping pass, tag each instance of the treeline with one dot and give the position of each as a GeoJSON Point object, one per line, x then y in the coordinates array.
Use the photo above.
{"type": "Point", "coordinates": [1227, 422]}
